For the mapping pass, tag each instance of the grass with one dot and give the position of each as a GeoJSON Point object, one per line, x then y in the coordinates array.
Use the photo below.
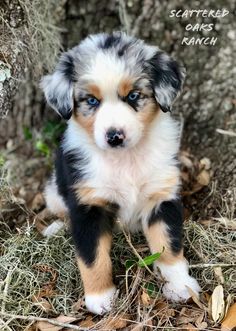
{"type": "Point", "coordinates": [28, 262]}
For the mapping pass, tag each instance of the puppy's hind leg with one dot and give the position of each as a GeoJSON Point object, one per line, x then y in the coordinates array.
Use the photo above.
{"type": "Point", "coordinates": [54, 200]}
{"type": "Point", "coordinates": [164, 230]}
{"type": "Point", "coordinates": [56, 206]}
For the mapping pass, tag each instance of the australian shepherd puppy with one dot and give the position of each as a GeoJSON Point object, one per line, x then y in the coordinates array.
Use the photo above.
{"type": "Point", "coordinates": [118, 158]}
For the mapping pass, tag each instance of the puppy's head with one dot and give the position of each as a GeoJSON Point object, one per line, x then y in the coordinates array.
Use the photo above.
{"type": "Point", "coordinates": [113, 87]}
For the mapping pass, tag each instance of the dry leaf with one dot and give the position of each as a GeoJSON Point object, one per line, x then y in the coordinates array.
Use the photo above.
{"type": "Point", "coordinates": [38, 201]}
{"type": "Point", "coordinates": [88, 322]}
{"type": "Point", "coordinates": [116, 322]}
{"type": "Point", "coordinates": [199, 319]}
{"type": "Point", "coordinates": [217, 303]}
{"type": "Point", "coordinates": [203, 178]}
{"type": "Point", "coordinates": [202, 326]}
{"type": "Point", "coordinates": [219, 274]}
{"type": "Point", "coordinates": [46, 326]}
{"type": "Point", "coordinates": [229, 321]}
{"type": "Point", "coordinates": [145, 298]}
{"type": "Point", "coordinates": [195, 298]}
{"type": "Point", "coordinates": [189, 327]}
{"type": "Point", "coordinates": [205, 163]}
{"type": "Point", "coordinates": [78, 305]}
{"type": "Point", "coordinates": [185, 160]}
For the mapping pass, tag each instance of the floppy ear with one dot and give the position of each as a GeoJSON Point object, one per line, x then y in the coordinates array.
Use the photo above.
{"type": "Point", "coordinates": [58, 87]}
{"type": "Point", "coordinates": [167, 78]}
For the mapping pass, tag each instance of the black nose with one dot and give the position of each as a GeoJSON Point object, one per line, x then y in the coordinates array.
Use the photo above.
{"type": "Point", "coordinates": [115, 137]}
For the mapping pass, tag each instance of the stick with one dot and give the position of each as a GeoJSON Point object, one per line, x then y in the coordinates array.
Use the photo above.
{"type": "Point", "coordinates": [211, 265]}
{"type": "Point", "coordinates": [5, 291]}
{"type": "Point", "coordinates": [127, 237]}
{"type": "Point", "coordinates": [41, 319]}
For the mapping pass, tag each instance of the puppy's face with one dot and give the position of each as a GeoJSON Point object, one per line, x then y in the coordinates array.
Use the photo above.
{"type": "Point", "coordinates": [113, 87]}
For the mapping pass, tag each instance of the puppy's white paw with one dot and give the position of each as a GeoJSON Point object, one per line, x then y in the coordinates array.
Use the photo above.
{"type": "Point", "coordinates": [100, 303]}
{"type": "Point", "coordinates": [177, 278]}
{"type": "Point", "coordinates": [177, 291]}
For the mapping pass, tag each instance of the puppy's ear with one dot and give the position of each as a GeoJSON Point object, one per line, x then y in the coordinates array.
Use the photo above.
{"type": "Point", "coordinates": [58, 87]}
{"type": "Point", "coordinates": [167, 78]}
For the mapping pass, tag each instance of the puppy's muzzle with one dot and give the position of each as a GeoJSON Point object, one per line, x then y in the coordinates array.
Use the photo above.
{"type": "Point", "coordinates": [115, 138]}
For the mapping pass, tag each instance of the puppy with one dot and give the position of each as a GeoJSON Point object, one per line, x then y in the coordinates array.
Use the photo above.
{"type": "Point", "coordinates": [118, 157]}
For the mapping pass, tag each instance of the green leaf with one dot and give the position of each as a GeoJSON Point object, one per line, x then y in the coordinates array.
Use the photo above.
{"type": "Point", "coordinates": [148, 260]}
{"type": "Point", "coordinates": [151, 288]}
{"type": "Point", "coordinates": [42, 148]}
{"type": "Point", "coordinates": [130, 263]}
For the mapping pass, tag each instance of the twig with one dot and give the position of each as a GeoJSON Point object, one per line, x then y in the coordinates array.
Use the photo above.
{"type": "Point", "coordinates": [211, 265]}
{"type": "Point", "coordinates": [41, 319]}
{"type": "Point", "coordinates": [226, 132]}
{"type": "Point", "coordinates": [127, 237]}
{"type": "Point", "coordinates": [5, 325]}
{"type": "Point", "coordinates": [5, 291]}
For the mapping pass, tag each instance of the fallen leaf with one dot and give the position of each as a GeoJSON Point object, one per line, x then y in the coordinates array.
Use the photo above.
{"type": "Point", "coordinates": [195, 298]}
{"type": "Point", "coordinates": [185, 160]}
{"type": "Point", "coordinates": [219, 274]}
{"type": "Point", "coordinates": [116, 322]}
{"type": "Point", "coordinates": [46, 326]}
{"type": "Point", "coordinates": [217, 303]}
{"type": "Point", "coordinates": [78, 305]}
{"type": "Point", "coordinates": [145, 298]}
{"type": "Point", "coordinates": [88, 322]}
{"type": "Point", "coordinates": [203, 178]}
{"type": "Point", "coordinates": [189, 327]}
{"type": "Point", "coordinates": [199, 319]}
{"type": "Point", "coordinates": [37, 202]}
{"type": "Point", "coordinates": [229, 321]}
{"type": "Point", "coordinates": [205, 163]}
{"type": "Point", "coordinates": [202, 326]}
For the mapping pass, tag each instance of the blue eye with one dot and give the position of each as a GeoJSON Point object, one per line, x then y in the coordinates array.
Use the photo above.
{"type": "Point", "coordinates": [93, 101]}
{"type": "Point", "coordinates": [133, 96]}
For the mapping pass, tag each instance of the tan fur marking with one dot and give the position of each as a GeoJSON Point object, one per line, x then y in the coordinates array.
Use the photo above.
{"type": "Point", "coordinates": [165, 194]}
{"type": "Point", "coordinates": [87, 122]}
{"type": "Point", "coordinates": [125, 86]}
{"type": "Point", "coordinates": [86, 195]}
{"type": "Point", "coordinates": [148, 113]}
{"type": "Point", "coordinates": [158, 238]}
{"type": "Point", "coordinates": [98, 277]}
{"type": "Point", "coordinates": [95, 91]}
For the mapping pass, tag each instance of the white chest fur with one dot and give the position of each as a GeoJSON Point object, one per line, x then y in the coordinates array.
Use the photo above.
{"type": "Point", "coordinates": [130, 177]}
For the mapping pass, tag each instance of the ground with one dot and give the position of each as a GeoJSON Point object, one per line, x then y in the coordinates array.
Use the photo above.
{"type": "Point", "coordinates": [39, 278]}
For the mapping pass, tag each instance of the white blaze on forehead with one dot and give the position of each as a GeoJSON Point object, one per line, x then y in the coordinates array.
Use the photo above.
{"type": "Point", "coordinates": [106, 71]}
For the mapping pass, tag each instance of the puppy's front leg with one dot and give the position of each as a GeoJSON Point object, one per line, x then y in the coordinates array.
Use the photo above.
{"type": "Point", "coordinates": [164, 230]}
{"type": "Point", "coordinates": [91, 230]}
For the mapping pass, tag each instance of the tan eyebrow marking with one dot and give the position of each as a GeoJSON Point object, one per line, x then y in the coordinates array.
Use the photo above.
{"type": "Point", "coordinates": [94, 90]}
{"type": "Point", "coordinates": [125, 86]}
